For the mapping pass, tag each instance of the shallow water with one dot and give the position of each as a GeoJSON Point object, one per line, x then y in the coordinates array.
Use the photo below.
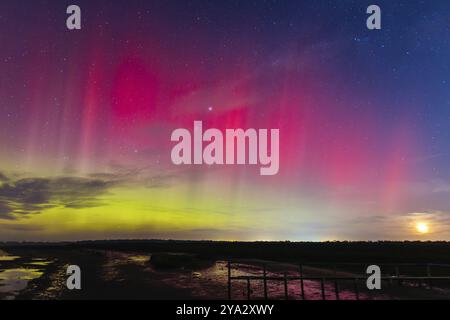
{"type": "Point", "coordinates": [39, 263]}
{"type": "Point", "coordinates": [129, 271]}
{"type": "Point", "coordinates": [212, 283]}
{"type": "Point", "coordinates": [12, 281]}
{"type": "Point", "coordinates": [276, 290]}
{"type": "Point", "coordinates": [8, 258]}
{"type": "Point", "coordinates": [139, 259]}
{"type": "Point", "coordinates": [16, 277]}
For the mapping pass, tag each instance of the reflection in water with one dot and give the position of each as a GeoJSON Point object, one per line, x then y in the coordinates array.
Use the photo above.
{"type": "Point", "coordinates": [211, 283]}
{"type": "Point", "coordinates": [16, 274]}
{"type": "Point", "coordinates": [120, 259]}
{"type": "Point", "coordinates": [39, 263]}
{"type": "Point", "coordinates": [8, 258]}
{"type": "Point", "coordinates": [139, 259]}
{"type": "Point", "coordinates": [132, 274]}
{"type": "Point", "coordinates": [14, 280]}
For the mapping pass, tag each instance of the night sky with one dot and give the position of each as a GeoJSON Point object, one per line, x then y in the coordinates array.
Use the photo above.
{"type": "Point", "coordinates": [86, 119]}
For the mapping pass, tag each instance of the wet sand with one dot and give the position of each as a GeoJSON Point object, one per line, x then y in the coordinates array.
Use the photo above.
{"type": "Point", "coordinates": [41, 274]}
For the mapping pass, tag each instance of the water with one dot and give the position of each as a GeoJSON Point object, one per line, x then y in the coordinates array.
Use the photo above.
{"type": "Point", "coordinates": [8, 258]}
{"type": "Point", "coordinates": [205, 284]}
{"type": "Point", "coordinates": [16, 274]}
{"type": "Point", "coordinates": [130, 272]}
{"type": "Point", "coordinates": [12, 281]}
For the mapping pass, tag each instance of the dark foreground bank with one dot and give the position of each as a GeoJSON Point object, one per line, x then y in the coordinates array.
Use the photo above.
{"type": "Point", "coordinates": [170, 270]}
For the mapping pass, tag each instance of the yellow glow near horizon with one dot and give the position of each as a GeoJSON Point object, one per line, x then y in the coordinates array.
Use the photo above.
{"type": "Point", "coordinates": [141, 212]}
{"type": "Point", "coordinates": [422, 227]}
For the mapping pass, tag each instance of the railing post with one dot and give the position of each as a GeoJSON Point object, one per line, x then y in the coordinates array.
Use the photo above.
{"type": "Point", "coordinates": [301, 282]}
{"type": "Point", "coordinates": [356, 288]}
{"type": "Point", "coordinates": [286, 293]}
{"type": "Point", "coordinates": [397, 274]}
{"type": "Point", "coordinates": [265, 282]}
{"type": "Point", "coordinates": [322, 288]}
{"type": "Point", "coordinates": [229, 280]}
{"type": "Point", "coordinates": [390, 283]}
{"type": "Point", "coordinates": [429, 275]}
{"type": "Point", "coordinates": [391, 276]}
{"type": "Point", "coordinates": [336, 288]}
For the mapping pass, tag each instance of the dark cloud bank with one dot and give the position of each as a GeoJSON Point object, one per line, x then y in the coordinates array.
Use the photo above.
{"type": "Point", "coordinates": [32, 195]}
{"type": "Point", "coordinates": [23, 196]}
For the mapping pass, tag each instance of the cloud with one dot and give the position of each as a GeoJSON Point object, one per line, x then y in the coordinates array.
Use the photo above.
{"type": "Point", "coordinates": [20, 227]}
{"type": "Point", "coordinates": [142, 177]}
{"type": "Point", "coordinates": [402, 226]}
{"type": "Point", "coordinates": [438, 217]}
{"type": "Point", "coordinates": [3, 177]}
{"type": "Point", "coordinates": [33, 195]}
{"type": "Point", "coordinates": [119, 175]}
{"type": "Point", "coordinates": [440, 186]}
{"type": "Point", "coordinates": [160, 181]}
{"type": "Point", "coordinates": [21, 196]}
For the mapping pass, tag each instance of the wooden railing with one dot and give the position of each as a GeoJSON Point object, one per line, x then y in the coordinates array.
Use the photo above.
{"type": "Point", "coordinates": [336, 280]}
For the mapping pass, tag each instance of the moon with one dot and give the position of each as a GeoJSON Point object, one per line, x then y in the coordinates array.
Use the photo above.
{"type": "Point", "coordinates": [422, 227]}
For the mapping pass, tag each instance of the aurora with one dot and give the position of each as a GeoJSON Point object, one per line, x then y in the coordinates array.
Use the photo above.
{"type": "Point", "coordinates": [87, 117]}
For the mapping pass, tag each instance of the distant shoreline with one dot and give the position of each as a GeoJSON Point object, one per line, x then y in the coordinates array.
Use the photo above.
{"type": "Point", "coordinates": [88, 241]}
{"type": "Point", "coordinates": [293, 252]}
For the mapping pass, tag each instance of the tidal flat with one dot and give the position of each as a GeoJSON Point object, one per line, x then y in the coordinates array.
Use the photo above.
{"type": "Point", "coordinates": [113, 272]}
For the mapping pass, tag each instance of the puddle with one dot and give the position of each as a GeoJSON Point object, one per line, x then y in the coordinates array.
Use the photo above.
{"type": "Point", "coordinates": [211, 283]}
{"type": "Point", "coordinates": [39, 263]}
{"type": "Point", "coordinates": [14, 280]}
{"type": "Point", "coordinates": [139, 259]}
{"type": "Point", "coordinates": [9, 258]}
{"type": "Point", "coordinates": [118, 259]}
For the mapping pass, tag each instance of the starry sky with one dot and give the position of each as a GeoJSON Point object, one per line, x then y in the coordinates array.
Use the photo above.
{"type": "Point", "coordinates": [86, 119]}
